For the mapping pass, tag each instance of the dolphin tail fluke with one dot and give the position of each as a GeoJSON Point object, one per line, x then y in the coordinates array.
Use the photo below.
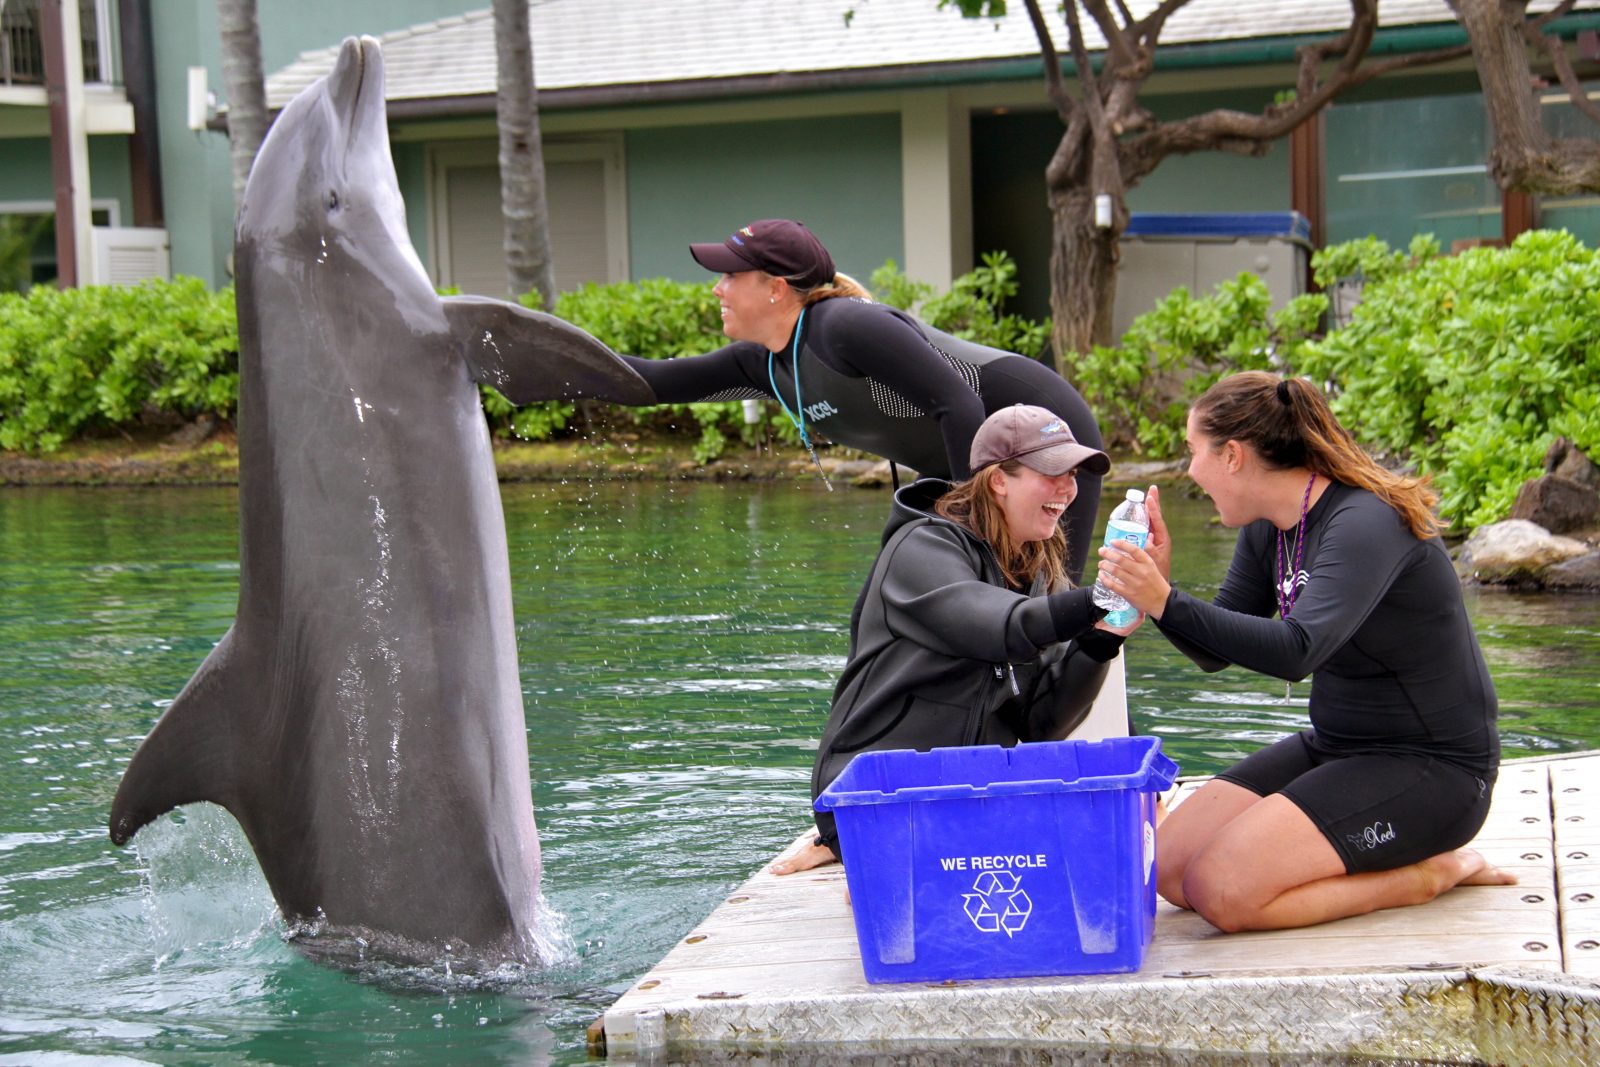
{"type": "Point", "coordinates": [529, 355]}
{"type": "Point", "coordinates": [187, 757]}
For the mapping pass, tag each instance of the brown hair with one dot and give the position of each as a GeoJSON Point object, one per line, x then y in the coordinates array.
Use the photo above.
{"type": "Point", "coordinates": [972, 504]}
{"type": "Point", "coordinates": [1289, 424]}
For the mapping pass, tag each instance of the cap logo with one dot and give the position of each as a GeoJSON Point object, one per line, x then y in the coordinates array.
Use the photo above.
{"type": "Point", "coordinates": [1055, 427]}
{"type": "Point", "coordinates": [735, 239]}
{"type": "Point", "coordinates": [747, 231]}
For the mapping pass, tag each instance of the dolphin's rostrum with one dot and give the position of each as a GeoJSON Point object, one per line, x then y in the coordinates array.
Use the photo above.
{"type": "Point", "coordinates": [362, 718]}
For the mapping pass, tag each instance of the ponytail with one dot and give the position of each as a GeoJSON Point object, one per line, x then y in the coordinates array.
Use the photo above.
{"type": "Point", "coordinates": [1289, 424]}
{"type": "Point", "coordinates": [842, 285]}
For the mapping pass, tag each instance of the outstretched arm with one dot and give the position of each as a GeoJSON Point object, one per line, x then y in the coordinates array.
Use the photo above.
{"type": "Point", "coordinates": [729, 373]}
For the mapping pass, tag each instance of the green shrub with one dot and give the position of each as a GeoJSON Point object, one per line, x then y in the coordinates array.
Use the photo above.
{"type": "Point", "coordinates": [98, 357]}
{"type": "Point", "coordinates": [973, 309]}
{"type": "Point", "coordinates": [1469, 366]}
{"type": "Point", "coordinates": [658, 318]}
{"type": "Point", "coordinates": [1142, 389]}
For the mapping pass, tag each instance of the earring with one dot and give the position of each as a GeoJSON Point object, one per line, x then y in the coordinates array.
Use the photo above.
{"type": "Point", "coordinates": [772, 300]}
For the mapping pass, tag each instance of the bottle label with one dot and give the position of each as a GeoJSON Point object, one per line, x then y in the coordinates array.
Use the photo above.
{"type": "Point", "coordinates": [1118, 530]}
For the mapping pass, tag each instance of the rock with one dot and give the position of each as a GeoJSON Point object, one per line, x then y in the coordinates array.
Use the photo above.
{"type": "Point", "coordinates": [1567, 460]}
{"type": "Point", "coordinates": [193, 433]}
{"type": "Point", "coordinates": [879, 476]}
{"type": "Point", "coordinates": [846, 469]}
{"type": "Point", "coordinates": [1514, 551]}
{"type": "Point", "coordinates": [1580, 572]}
{"type": "Point", "coordinates": [1145, 473]}
{"type": "Point", "coordinates": [1558, 503]}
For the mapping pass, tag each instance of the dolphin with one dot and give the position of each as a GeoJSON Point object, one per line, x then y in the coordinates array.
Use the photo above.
{"type": "Point", "coordinates": [362, 718]}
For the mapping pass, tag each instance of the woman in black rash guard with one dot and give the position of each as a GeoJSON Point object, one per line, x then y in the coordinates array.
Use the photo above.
{"type": "Point", "coordinates": [1371, 806]}
{"type": "Point", "coordinates": [859, 373]}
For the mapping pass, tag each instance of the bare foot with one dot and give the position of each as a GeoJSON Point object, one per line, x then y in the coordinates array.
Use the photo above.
{"type": "Point", "coordinates": [810, 857]}
{"type": "Point", "coordinates": [1465, 866]}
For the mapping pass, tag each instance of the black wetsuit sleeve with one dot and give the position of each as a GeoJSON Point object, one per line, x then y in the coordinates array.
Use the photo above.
{"type": "Point", "coordinates": [1358, 557]}
{"type": "Point", "coordinates": [871, 341]}
{"type": "Point", "coordinates": [688, 379]}
{"type": "Point", "coordinates": [933, 594]}
{"type": "Point", "coordinates": [1245, 590]}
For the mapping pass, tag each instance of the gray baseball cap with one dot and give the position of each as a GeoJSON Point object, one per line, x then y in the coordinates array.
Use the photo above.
{"type": "Point", "coordinates": [1036, 438]}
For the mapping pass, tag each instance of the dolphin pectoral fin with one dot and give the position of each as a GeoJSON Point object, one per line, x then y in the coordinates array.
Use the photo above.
{"type": "Point", "coordinates": [529, 355]}
{"type": "Point", "coordinates": [188, 756]}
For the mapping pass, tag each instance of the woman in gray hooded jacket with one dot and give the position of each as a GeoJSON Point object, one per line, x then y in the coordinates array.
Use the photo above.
{"type": "Point", "coordinates": [968, 631]}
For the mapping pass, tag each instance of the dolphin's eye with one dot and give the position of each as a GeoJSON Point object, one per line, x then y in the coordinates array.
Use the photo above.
{"type": "Point", "coordinates": [333, 200]}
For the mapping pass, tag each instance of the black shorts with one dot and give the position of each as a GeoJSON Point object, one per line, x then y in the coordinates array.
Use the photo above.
{"type": "Point", "coordinates": [1378, 810]}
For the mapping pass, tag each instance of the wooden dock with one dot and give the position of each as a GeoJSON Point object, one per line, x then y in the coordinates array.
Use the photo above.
{"type": "Point", "coordinates": [1499, 974]}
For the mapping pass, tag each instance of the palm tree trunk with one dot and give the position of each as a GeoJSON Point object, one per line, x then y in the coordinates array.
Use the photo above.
{"type": "Point", "coordinates": [529, 265]}
{"type": "Point", "coordinates": [245, 87]}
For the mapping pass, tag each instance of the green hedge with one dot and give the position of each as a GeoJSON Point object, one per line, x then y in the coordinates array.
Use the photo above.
{"type": "Point", "coordinates": [1464, 368]}
{"type": "Point", "coordinates": [79, 360]}
{"type": "Point", "coordinates": [658, 318]}
{"type": "Point", "coordinates": [1469, 366]}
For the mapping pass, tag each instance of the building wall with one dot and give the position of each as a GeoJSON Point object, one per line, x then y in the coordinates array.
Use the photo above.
{"type": "Point", "coordinates": [695, 171]}
{"type": "Point", "coordinates": [840, 175]}
{"type": "Point", "coordinates": [196, 173]}
{"type": "Point", "coordinates": [196, 189]}
{"type": "Point", "coordinates": [1011, 210]}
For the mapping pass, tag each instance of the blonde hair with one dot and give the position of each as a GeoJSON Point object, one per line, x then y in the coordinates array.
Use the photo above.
{"type": "Point", "coordinates": [842, 285]}
{"type": "Point", "coordinates": [1289, 424]}
{"type": "Point", "coordinates": [972, 504]}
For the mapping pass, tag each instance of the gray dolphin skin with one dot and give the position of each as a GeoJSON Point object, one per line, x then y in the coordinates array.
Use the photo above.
{"type": "Point", "coordinates": [362, 718]}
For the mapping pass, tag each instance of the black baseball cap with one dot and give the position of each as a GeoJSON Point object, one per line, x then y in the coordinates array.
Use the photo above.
{"type": "Point", "coordinates": [781, 247]}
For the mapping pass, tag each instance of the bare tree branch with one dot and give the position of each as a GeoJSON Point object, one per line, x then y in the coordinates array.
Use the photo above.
{"type": "Point", "coordinates": [1539, 22]}
{"type": "Point", "coordinates": [1525, 156]}
{"type": "Point", "coordinates": [1118, 54]}
{"type": "Point", "coordinates": [1150, 29]}
{"type": "Point", "coordinates": [1064, 104]}
{"type": "Point", "coordinates": [1577, 95]}
{"type": "Point", "coordinates": [1556, 51]}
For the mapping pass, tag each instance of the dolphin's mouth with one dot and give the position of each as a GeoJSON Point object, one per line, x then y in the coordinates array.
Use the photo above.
{"type": "Point", "coordinates": [357, 89]}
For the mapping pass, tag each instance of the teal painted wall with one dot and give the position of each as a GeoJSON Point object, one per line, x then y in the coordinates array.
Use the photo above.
{"type": "Point", "coordinates": [840, 176]}
{"type": "Point", "coordinates": [411, 167]}
{"type": "Point", "coordinates": [112, 174]}
{"type": "Point", "coordinates": [26, 174]}
{"type": "Point", "coordinates": [196, 174]}
{"type": "Point", "coordinates": [196, 184]}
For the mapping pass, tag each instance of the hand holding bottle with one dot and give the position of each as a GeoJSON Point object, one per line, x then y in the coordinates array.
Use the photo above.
{"type": "Point", "coordinates": [1138, 574]}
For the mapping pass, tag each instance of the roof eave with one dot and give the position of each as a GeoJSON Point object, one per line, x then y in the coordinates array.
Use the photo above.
{"type": "Point", "coordinates": [1246, 52]}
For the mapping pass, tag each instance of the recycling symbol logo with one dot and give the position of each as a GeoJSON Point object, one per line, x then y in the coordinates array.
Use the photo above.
{"type": "Point", "coordinates": [998, 902]}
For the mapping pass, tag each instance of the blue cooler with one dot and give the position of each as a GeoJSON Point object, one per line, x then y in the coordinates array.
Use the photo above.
{"type": "Point", "coordinates": [992, 862]}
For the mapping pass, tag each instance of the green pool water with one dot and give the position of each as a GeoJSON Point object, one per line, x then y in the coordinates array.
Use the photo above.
{"type": "Point", "coordinates": [678, 645]}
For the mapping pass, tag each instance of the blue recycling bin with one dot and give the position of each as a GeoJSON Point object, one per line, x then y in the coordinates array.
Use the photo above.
{"type": "Point", "coordinates": [992, 862]}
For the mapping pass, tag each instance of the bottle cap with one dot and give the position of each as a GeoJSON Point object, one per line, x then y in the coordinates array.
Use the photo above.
{"type": "Point", "coordinates": [1136, 495]}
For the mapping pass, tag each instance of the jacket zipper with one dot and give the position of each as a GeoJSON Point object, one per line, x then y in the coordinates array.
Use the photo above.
{"type": "Point", "coordinates": [1016, 690]}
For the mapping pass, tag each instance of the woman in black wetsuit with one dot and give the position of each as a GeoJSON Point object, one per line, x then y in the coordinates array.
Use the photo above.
{"type": "Point", "coordinates": [1369, 808]}
{"type": "Point", "coordinates": [869, 376]}
{"type": "Point", "coordinates": [967, 631]}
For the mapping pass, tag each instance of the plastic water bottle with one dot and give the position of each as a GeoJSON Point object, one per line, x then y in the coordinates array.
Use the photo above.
{"type": "Point", "coordinates": [1129, 522]}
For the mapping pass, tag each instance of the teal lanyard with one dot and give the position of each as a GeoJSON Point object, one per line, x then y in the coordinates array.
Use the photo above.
{"type": "Point", "coordinates": [798, 415]}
